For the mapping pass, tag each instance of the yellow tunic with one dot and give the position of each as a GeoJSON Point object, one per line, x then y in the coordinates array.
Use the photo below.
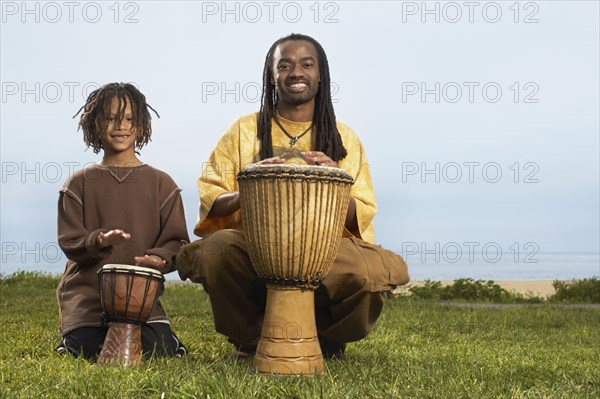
{"type": "Point", "coordinates": [239, 147]}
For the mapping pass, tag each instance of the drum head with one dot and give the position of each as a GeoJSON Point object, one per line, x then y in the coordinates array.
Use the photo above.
{"type": "Point", "coordinates": [114, 267]}
{"type": "Point", "coordinates": [287, 171]}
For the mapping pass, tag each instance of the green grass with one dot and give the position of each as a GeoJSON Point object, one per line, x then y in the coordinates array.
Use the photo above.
{"type": "Point", "coordinates": [419, 349]}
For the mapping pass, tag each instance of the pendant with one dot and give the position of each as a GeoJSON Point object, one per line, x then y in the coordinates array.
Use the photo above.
{"type": "Point", "coordinates": [293, 141]}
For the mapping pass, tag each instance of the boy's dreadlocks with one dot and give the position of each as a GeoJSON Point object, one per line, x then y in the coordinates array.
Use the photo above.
{"type": "Point", "coordinates": [328, 139]}
{"type": "Point", "coordinates": [96, 114]}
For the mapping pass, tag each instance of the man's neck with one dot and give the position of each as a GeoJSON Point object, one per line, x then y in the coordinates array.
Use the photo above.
{"type": "Point", "coordinates": [297, 112]}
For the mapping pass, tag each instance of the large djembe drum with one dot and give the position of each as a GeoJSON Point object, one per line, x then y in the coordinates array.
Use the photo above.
{"type": "Point", "coordinates": [293, 217]}
{"type": "Point", "coordinates": [128, 295]}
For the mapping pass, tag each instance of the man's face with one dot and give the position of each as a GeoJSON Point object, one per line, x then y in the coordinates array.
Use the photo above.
{"type": "Point", "coordinates": [296, 71]}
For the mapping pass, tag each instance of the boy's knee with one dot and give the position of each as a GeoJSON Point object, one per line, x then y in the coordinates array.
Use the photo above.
{"type": "Point", "coordinates": [85, 341]}
{"type": "Point", "coordinates": [159, 340]}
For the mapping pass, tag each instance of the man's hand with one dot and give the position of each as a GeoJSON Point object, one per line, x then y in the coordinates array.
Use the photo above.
{"type": "Point", "coordinates": [318, 158]}
{"type": "Point", "coordinates": [271, 161]}
{"type": "Point", "coordinates": [227, 203]}
{"type": "Point", "coordinates": [112, 237]}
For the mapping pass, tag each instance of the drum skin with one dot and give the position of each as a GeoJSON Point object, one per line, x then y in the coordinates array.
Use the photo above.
{"type": "Point", "coordinates": [293, 218]}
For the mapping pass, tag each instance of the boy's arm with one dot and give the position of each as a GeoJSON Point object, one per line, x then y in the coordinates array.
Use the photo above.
{"type": "Point", "coordinates": [78, 244]}
{"type": "Point", "coordinates": [173, 231]}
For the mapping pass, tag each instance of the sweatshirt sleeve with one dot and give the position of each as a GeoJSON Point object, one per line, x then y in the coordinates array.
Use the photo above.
{"type": "Point", "coordinates": [78, 244]}
{"type": "Point", "coordinates": [173, 232]}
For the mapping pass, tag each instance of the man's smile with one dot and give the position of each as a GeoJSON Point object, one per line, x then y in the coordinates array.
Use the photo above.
{"type": "Point", "coordinates": [297, 87]}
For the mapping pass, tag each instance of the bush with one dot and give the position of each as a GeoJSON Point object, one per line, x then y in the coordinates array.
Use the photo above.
{"type": "Point", "coordinates": [467, 289]}
{"type": "Point", "coordinates": [586, 291]}
{"type": "Point", "coordinates": [30, 279]}
{"type": "Point", "coordinates": [429, 290]}
{"type": "Point", "coordinates": [478, 290]}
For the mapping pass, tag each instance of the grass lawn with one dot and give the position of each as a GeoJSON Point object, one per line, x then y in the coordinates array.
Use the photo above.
{"type": "Point", "coordinates": [419, 349]}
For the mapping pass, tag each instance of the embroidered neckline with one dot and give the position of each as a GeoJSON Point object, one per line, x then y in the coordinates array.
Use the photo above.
{"type": "Point", "coordinates": [115, 171]}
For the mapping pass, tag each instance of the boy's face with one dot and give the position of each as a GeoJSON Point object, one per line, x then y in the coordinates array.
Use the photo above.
{"type": "Point", "coordinates": [119, 136]}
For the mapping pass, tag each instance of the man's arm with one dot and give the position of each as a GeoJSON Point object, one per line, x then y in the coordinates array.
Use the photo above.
{"type": "Point", "coordinates": [351, 220]}
{"type": "Point", "coordinates": [225, 205]}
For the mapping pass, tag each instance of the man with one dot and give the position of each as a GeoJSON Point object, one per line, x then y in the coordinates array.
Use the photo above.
{"type": "Point", "coordinates": [296, 120]}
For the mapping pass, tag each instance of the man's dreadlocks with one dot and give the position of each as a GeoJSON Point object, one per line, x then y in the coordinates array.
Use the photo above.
{"type": "Point", "coordinates": [328, 139]}
{"type": "Point", "coordinates": [96, 114]}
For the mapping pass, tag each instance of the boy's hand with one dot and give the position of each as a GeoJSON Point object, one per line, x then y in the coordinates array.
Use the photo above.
{"type": "Point", "coordinates": [113, 237]}
{"type": "Point", "coordinates": [152, 261]}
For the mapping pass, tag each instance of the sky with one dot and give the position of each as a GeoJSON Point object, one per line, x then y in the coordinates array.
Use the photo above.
{"type": "Point", "coordinates": [480, 119]}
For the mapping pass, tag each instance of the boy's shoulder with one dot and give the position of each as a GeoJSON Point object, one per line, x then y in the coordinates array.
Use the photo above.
{"type": "Point", "coordinates": [93, 173]}
{"type": "Point", "coordinates": [79, 176]}
{"type": "Point", "coordinates": [155, 171]}
{"type": "Point", "coordinates": [161, 179]}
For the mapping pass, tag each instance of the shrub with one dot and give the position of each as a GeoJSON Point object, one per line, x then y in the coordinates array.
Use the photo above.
{"type": "Point", "coordinates": [467, 289]}
{"type": "Point", "coordinates": [586, 290]}
{"type": "Point", "coordinates": [429, 290]}
{"type": "Point", "coordinates": [30, 279]}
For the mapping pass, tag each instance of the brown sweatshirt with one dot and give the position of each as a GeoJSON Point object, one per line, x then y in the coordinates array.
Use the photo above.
{"type": "Point", "coordinates": [144, 202]}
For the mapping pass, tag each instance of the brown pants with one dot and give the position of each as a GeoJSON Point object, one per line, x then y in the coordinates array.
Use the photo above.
{"type": "Point", "coordinates": [347, 303]}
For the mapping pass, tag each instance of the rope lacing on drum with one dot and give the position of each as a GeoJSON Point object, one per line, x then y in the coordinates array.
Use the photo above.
{"type": "Point", "coordinates": [306, 282]}
{"type": "Point", "coordinates": [105, 318]}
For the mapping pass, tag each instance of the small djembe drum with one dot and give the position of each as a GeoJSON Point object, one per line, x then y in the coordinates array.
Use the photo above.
{"type": "Point", "coordinates": [293, 217]}
{"type": "Point", "coordinates": [128, 295]}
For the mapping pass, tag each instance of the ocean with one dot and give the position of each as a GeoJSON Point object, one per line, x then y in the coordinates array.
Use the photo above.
{"type": "Point", "coordinates": [422, 266]}
{"type": "Point", "coordinates": [541, 266]}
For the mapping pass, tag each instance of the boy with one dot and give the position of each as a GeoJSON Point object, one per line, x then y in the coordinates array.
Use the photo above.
{"type": "Point", "coordinates": [117, 211]}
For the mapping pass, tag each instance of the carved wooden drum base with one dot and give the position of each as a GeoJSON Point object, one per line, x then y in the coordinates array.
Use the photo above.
{"type": "Point", "coordinates": [288, 342]}
{"type": "Point", "coordinates": [122, 345]}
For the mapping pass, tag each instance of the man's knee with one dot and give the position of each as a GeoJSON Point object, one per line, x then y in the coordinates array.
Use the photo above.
{"type": "Point", "coordinates": [354, 319]}
{"type": "Point", "coordinates": [344, 282]}
{"type": "Point", "coordinates": [200, 259]}
{"type": "Point", "coordinates": [219, 258]}
{"type": "Point", "coordinates": [188, 262]}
